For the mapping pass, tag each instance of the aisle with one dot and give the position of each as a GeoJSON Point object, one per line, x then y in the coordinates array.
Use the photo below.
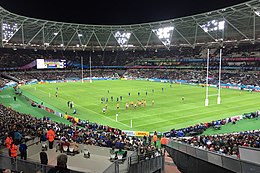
{"type": "Point", "coordinates": [170, 167]}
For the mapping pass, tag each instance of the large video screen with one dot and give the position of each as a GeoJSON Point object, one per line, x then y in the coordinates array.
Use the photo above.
{"type": "Point", "coordinates": [51, 63]}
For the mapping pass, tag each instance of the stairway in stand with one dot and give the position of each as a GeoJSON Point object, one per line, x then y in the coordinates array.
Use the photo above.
{"type": "Point", "coordinates": [169, 166]}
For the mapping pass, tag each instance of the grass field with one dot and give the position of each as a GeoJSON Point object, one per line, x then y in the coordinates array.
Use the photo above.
{"type": "Point", "coordinates": [169, 110]}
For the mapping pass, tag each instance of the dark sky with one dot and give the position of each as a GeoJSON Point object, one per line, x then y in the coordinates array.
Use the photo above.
{"type": "Point", "coordinates": [113, 11]}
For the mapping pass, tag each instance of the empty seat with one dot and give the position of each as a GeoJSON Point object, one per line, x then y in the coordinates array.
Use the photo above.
{"type": "Point", "coordinates": [65, 148]}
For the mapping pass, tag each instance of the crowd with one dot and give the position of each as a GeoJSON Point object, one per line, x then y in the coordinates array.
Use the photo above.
{"type": "Point", "coordinates": [18, 58]}
{"type": "Point", "coordinates": [198, 129]}
{"type": "Point", "coordinates": [17, 128]}
{"type": "Point", "coordinates": [199, 76]}
{"type": "Point", "coordinates": [190, 76]}
{"type": "Point", "coordinates": [225, 144]}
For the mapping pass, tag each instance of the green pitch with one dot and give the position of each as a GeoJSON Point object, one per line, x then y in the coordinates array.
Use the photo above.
{"type": "Point", "coordinates": [169, 110]}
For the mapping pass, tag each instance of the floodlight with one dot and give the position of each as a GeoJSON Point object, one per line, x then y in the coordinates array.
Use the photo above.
{"type": "Point", "coordinates": [8, 30]}
{"type": "Point", "coordinates": [122, 38]}
{"type": "Point", "coordinates": [257, 13]}
{"type": "Point", "coordinates": [213, 25]}
{"type": "Point", "coordinates": [221, 25]}
{"type": "Point", "coordinates": [164, 34]}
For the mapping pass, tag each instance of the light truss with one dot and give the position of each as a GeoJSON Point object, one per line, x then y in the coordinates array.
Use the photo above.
{"type": "Point", "coordinates": [239, 22]}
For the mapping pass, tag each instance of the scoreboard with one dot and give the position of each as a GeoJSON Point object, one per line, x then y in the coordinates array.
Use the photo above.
{"type": "Point", "coordinates": [50, 63]}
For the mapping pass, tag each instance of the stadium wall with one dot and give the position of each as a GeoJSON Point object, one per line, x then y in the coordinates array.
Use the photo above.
{"type": "Point", "coordinates": [190, 159]}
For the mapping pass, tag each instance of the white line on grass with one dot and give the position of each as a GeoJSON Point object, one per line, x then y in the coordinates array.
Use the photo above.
{"type": "Point", "coordinates": [150, 115]}
{"type": "Point", "coordinates": [191, 108]}
{"type": "Point", "coordinates": [187, 116]}
{"type": "Point", "coordinates": [92, 111]}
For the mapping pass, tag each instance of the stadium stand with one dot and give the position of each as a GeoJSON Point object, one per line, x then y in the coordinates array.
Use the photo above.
{"type": "Point", "coordinates": [146, 57]}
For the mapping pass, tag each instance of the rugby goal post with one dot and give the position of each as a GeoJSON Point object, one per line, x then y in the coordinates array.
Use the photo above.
{"type": "Point", "coordinates": [90, 72]}
{"type": "Point", "coordinates": [219, 80]}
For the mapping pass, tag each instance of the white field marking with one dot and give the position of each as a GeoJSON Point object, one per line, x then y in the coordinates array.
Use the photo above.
{"type": "Point", "coordinates": [212, 95]}
{"type": "Point", "coordinates": [182, 109]}
{"type": "Point", "coordinates": [7, 96]}
{"type": "Point", "coordinates": [186, 116]}
{"type": "Point", "coordinates": [68, 96]}
{"type": "Point", "coordinates": [40, 99]}
{"type": "Point", "coordinates": [93, 111]}
{"type": "Point", "coordinates": [160, 93]}
{"type": "Point", "coordinates": [171, 126]}
{"type": "Point", "coordinates": [14, 105]}
{"type": "Point", "coordinates": [179, 110]}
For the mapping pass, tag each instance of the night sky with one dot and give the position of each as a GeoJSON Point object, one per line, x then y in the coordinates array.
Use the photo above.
{"type": "Point", "coordinates": [113, 12]}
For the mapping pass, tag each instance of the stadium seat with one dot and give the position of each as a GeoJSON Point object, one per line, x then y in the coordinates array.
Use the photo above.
{"type": "Point", "coordinates": [120, 156]}
{"type": "Point", "coordinates": [71, 151]}
{"type": "Point", "coordinates": [65, 148]}
{"type": "Point", "coordinates": [86, 153]}
{"type": "Point", "coordinates": [113, 157]}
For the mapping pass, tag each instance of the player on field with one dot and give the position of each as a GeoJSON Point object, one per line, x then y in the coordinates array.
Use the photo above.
{"type": "Point", "coordinates": [131, 104]}
{"type": "Point", "coordinates": [104, 110]}
{"type": "Point", "coordinates": [117, 106]}
{"type": "Point", "coordinates": [144, 103]}
{"type": "Point", "coordinates": [139, 103]}
{"type": "Point", "coordinates": [152, 103]}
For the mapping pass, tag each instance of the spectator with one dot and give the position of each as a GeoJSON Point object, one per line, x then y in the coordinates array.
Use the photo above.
{"type": "Point", "coordinates": [23, 150]}
{"type": "Point", "coordinates": [17, 137]}
{"type": "Point", "coordinates": [8, 142]}
{"type": "Point", "coordinates": [61, 167]}
{"type": "Point", "coordinates": [13, 149]}
{"type": "Point", "coordinates": [43, 157]}
{"type": "Point", "coordinates": [155, 138]}
{"type": "Point", "coordinates": [51, 137]}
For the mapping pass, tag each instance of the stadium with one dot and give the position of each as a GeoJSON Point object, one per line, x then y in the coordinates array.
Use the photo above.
{"type": "Point", "coordinates": [178, 95]}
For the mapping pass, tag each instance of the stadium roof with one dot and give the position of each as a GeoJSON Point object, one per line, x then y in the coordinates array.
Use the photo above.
{"type": "Point", "coordinates": [230, 25]}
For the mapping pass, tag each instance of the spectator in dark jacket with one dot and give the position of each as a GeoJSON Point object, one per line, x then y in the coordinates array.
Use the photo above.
{"type": "Point", "coordinates": [23, 150]}
{"type": "Point", "coordinates": [43, 157]}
